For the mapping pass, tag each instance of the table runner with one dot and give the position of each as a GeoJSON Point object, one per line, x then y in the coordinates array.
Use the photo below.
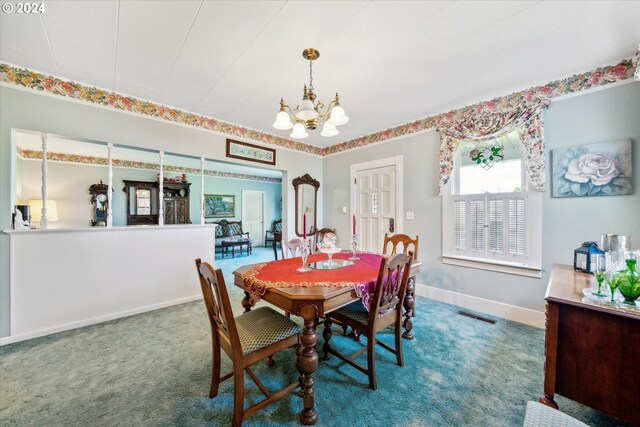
{"type": "Point", "coordinates": [282, 274]}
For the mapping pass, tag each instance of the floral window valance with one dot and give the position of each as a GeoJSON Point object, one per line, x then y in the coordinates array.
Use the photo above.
{"type": "Point", "coordinates": [489, 120]}
{"type": "Point", "coordinates": [636, 63]}
{"type": "Point", "coordinates": [520, 111]}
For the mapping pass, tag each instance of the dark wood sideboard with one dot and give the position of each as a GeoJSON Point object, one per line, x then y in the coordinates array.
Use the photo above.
{"type": "Point", "coordinates": [175, 202]}
{"type": "Point", "coordinates": [592, 352]}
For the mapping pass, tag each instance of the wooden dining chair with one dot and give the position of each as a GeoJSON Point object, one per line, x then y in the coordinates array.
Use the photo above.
{"type": "Point", "coordinates": [400, 243]}
{"type": "Point", "coordinates": [246, 339]}
{"type": "Point", "coordinates": [385, 310]}
{"type": "Point", "coordinates": [277, 238]}
{"type": "Point", "coordinates": [318, 235]}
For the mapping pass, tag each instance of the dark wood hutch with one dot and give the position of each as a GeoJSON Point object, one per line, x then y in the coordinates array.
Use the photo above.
{"type": "Point", "coordinates": [143, 199]}
{"type": "Point", "coordinates": [176, 202]}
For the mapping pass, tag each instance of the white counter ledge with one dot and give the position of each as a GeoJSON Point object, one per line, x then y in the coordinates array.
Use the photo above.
{"type": "Point", "coordinates": [65, 278]}
{"type": "Point", "coordinates": [114, 228]}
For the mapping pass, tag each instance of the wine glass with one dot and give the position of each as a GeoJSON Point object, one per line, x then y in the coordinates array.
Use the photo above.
{"type": "Point", "coordinates": [613, 280]}
{"type": "Point", "coordinates": [600, 272]}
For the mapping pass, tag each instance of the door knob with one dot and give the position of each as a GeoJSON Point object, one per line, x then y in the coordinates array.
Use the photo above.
{"type": "Point", "coordinates": [392, 227]}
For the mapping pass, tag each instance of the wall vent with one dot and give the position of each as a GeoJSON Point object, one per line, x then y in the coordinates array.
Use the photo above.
{"type": "Point", "coordinates": [473, 316]}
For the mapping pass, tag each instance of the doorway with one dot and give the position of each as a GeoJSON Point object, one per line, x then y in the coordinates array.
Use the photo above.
{"type": "Point", "coordinates": [253, 215]}
{"type": "Point", "coordinates": [376, 201]}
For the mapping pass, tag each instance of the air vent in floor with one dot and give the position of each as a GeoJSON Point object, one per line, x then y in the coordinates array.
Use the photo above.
{"type": "Point", "coordinates": [473, 316]}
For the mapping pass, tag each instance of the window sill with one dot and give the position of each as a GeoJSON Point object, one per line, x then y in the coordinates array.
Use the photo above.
{"type": "Point", "coordinates": [497, 266]}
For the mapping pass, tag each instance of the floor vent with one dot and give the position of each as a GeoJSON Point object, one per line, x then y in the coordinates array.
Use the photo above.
{"type": "Point", "coordinates": [473, 316]}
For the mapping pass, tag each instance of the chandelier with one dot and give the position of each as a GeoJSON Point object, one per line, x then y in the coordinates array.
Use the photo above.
{"type": "Point", "coordinates": [309, 114]}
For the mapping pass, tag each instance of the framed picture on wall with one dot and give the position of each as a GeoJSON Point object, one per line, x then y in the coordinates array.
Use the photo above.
{"type": "Point", "coordinates": [253, 153]}
{"type": "Point", "coordinates": [599, 169]}
{"type": "Point", "coordinates": [219, 206]}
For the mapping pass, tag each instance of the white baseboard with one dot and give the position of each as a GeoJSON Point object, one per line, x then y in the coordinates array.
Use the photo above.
{"type": "Point", "coordinates": [494, 308]}
{"type": "Point", "coordinates": [98, 319]}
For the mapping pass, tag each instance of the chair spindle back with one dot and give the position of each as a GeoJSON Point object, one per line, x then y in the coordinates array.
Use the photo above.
{"type": "Point", "coordinates": [400, 243]}
{"type": "Point", "coordinates": [392, 284]}
{"type": "Point", "coordinates": [216, 298]}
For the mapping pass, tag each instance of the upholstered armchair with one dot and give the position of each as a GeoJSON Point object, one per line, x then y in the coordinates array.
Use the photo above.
{"type": "Point", "coordinates": [276, 227]}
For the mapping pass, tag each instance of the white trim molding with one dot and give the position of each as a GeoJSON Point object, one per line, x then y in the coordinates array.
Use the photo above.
{"type": "Point", "coordinates": [98, 319]}
{"type": "Point", "coordinates": [497, 266]}
{"type": "Point", "coordinates": [494, 308]}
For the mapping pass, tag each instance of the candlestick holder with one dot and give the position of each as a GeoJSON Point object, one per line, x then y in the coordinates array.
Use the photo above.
{"type": "Point", "coordinates": [354, 244]}
{"type": "Point", "coordinates": [304, 254]}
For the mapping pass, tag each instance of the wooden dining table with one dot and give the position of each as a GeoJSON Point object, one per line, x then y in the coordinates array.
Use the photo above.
{"type": "Point", "coordinates": [310, 295]}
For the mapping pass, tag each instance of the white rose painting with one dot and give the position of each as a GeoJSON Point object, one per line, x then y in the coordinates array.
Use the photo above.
{"type": "Point", "coordinates": [600, 169]}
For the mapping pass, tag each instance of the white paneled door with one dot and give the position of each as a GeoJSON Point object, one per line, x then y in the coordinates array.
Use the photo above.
{"type": "Point", "coordinates": [375, 206]}
{"type": "Point", "coordinates": [253, 215]}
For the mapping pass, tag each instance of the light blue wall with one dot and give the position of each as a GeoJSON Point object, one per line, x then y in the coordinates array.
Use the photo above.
{"type": "Point", "coordinates": [606, 115]}
{"type": "Point", "coordinates": [228, 186]}
{"type": "Point", "coordinates": [27, 109]}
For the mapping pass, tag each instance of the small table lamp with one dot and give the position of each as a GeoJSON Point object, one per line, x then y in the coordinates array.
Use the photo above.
{"type": "Point", "coordinates": [36, 210]}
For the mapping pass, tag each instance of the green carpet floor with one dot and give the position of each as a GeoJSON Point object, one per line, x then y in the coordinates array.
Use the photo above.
{"type": "Point", "coordinates": [154, 369]}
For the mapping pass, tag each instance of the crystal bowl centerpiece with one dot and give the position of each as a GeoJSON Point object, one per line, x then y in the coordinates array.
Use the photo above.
{"type": "Point", "coordinates": [328, 246]}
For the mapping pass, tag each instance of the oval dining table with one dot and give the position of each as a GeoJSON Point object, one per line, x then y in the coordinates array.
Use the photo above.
{"type": "Point", "coordinates": [313, 294]}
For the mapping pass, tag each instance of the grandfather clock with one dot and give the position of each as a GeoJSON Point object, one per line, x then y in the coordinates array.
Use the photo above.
{"type": "Point", "coordinates": [100, 201]}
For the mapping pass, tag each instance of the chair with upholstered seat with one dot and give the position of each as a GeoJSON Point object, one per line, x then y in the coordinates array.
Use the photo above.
{"type": "Point", "coordinates": [385, 310]}
{"type": "Point", "coordinates": [318, 235]}
{"type": "Point", "coordinates": [539, 415]}
{"type": "Point", "coordinates": [246, 339]}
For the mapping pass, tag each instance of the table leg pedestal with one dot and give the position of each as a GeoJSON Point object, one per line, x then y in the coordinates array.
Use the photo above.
{"type": "Point", "coordinates": [246, 302]}
{"type": "Point", "coordinates": [326, 334]}
{"type": "Point", "coordinates": [300, 393]}
{"type": "Point", "coordinates": [409, 308]}
{"type": "Point", "coordinates": [308, 363]}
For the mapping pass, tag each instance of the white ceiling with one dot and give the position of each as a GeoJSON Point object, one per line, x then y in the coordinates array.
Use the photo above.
{"type": "Point", "coordinates": [391, 61]}
{"type": "Point", "coordinates": [57, 144]}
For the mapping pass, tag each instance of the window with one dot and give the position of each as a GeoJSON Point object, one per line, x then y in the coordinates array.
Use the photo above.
{"type": "Point", "coordinates": [490, 218]}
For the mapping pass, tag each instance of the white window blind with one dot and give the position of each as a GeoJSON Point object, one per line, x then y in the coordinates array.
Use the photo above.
{"type": "Point", "coordinates": [476, 225]}
{"type": "Point", "coordinates": [516, 227]}
{"type": "Point", "coordinates": [495, 224]}
{"type": "Point", "coordinates": [459, 224]}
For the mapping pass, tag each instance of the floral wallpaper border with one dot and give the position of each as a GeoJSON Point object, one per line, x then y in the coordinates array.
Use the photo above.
{"type": "Point", "coordinates": [578, 82]}
{"type": "Point", "coordinates": [40, 82]}
{"type": "Point", "coordinates": [90, 160]}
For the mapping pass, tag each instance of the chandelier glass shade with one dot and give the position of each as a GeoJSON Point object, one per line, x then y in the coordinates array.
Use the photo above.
{"type": "Point", "coordinates": [328, 129]}
{"type": "Point", "coordinates": [299, 131]}
{"type": "Point", "coordinates": [309, 113]}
